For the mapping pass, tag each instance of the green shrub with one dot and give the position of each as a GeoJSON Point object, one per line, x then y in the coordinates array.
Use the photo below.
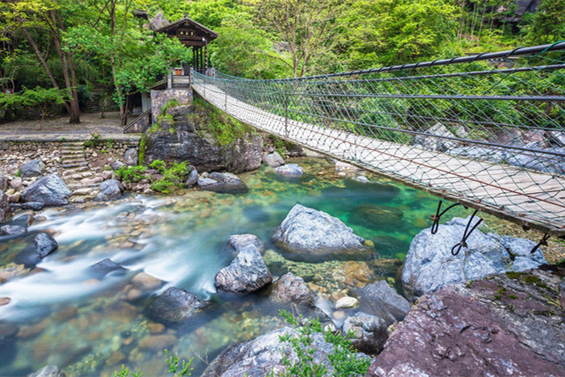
{"type": "Point", "coordinates": [131, 174]}
{"type": "Point", "coordinates": [177, 368]}
{"type": "Point", "coordinates": [343, 359]}
{"type": "Point", "coordinates": [173, 177]}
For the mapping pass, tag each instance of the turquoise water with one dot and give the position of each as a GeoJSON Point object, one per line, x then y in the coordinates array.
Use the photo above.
{"type": "Point", "coordinates": [89, 326]}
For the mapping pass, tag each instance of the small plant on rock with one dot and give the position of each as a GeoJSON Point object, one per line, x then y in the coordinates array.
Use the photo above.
{"type": "Point", "coordinates": [131, 174]}
{"type": "Point", "coordinates": [173, 177]}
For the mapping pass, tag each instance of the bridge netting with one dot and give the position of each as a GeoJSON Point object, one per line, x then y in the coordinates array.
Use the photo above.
{"type": "Point", "coordinates": [487, 130]}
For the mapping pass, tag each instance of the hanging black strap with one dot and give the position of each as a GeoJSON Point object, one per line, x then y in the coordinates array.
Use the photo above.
{"type": "Point", "coordinates": [438, 215]}
{"type": "Point", "coordinates": [466, 234]}
{"type": "Point", "coordinates": [542, 242]}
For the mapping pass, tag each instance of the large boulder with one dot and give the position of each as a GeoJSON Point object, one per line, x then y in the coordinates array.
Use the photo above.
{"type": "Point", "coordinates": [187, 138]}
{"type": "Point", "coordinates": [110, 190]}
{"type": "Point", "coordinates": [381, 300]}
{"type": "Point", "coordinates": [50, 190]}
{"type": "Point", "coordinates": [174, 306]}
{"type": "Point", "coordinates": [5, 210]}
{"type": "Point", "coordinates": [226, 183]}
{"type": "Point", "coordinates": [264, 355]}
{"type": "Point", "coordinates": [237, 242]}
{"type": "Point", "coordinates": [290, 288]}
{"type": "Point", "coordinates": [245, 274]}
{"type": "Point", "coordinates": [32, 169]}
{"type": "Point", "coordinates": [369, 332]}
{"type": "Point", "coordinates": [507, 325]}
{"type": "Point", "coordinates": [437, 138]}
{"type": "Point", "coordinates": [311, 235]}
{"type": "Point", "coordinates": [430, 265]}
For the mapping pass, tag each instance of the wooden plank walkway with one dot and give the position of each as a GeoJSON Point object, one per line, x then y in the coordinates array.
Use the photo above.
{"type": "Point", "coordinates": [529, 198]}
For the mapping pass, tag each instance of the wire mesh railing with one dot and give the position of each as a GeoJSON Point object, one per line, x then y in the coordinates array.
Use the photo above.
{"type": "Point", "coordinates": [486, 130]}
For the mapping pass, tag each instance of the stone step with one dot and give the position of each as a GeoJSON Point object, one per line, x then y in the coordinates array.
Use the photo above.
{"type": "Point", "coordinates": [83, 191]}
{"type": "Point", "coordinates": [78, 186]}
{"type": "Point", "coordinates": [84, 168]}
{"type": "Point", "coordinates": [72, 148]}
{"type": "Point", "coordinates": [75, 165]}
{"type": "Point", "coordinates": [73, 160]}
{"type": "Point", "coordinates": [72, 153]}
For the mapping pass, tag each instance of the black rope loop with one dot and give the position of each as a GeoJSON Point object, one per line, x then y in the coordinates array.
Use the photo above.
{"type": "Point", "coordinates": [438, 215]}
{"type": "Point", "coordinates": [542, 242]}
{"type": "Point", "coordinates": [466, 235]}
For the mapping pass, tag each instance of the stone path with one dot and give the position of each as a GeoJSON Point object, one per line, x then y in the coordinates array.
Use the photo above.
{"type": "Point", "coordinates": [78, 176]}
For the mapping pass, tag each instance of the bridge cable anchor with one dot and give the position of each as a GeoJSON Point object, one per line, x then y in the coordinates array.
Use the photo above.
{"type": "Point", "coordinates": [466, 235]}
{"type": "Point", "coordinates": [435, 218]}
{"type": "Point", "coordinates": [542, 242]}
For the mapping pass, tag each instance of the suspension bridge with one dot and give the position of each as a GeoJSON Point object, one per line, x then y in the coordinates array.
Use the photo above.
{"type": "Point", "coordinates": [486, 131]}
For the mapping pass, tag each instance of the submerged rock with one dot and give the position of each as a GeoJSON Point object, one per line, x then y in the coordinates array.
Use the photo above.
{"type": "Point", "coordinates": [50, 190]}
{"type": "Point", "coordinates": [376, 216]}
{"type": "Point", "coordinates": [507, 325]}
{"type": "Point", "coordinates": [289, 170]}
{"type": "Point", "coordinates": [104, 267]}
{"type": "Point", "coordinates": [311, 235]}
{"type": "Point", "coordinates": [32, 169]}
{"type": "Point", "coordinates": [429, 264]}
{"type": "Point", "coordinates": [263, 355]}
{"type": "Point", "coordinates": [109, 190]}
{"type": "Point", "coordinates": [5, 209]}
{"type": "Point", "coordinates": [290, 288]}
{"type": "Point", "coordinates": [245, 274]}
{"type": "Point", "coordinates": [226, 183]}
{"type": "Point", "coordinates": [174, 306]}
{"type": "Point", "coordinates": [12, 230]}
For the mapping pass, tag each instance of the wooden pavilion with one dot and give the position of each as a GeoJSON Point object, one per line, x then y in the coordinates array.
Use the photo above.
{"type": "Point", "coordinates": [192, 34]}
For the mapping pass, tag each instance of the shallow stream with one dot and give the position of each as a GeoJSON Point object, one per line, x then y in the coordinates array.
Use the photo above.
{"type": "Point", "coordinates": [89, 326]}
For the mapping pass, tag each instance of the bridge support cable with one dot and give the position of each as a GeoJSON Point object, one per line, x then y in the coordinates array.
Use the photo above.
{"type": "Point", "coordinates": [487, 134]}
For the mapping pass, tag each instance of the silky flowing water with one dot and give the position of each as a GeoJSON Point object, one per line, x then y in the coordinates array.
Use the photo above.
{"type": "Point", "coordinates": [90, 327]}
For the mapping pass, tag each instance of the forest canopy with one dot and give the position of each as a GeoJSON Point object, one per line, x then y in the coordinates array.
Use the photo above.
{"type": "Point", "coordinates": [71, 50]}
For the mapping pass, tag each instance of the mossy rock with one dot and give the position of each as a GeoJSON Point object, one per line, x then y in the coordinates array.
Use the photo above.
{"type": "Point", "coordinates": [371, 215]}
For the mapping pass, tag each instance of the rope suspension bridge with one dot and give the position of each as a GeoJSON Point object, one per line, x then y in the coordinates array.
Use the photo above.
{"type": "Point", "coordinates": [485, 131]}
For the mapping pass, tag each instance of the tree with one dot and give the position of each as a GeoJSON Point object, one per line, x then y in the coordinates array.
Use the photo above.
{"type": "Point", "coordinates": [304, 28]}
{"type": "Point", "coordinates": [548, 24]}
{"type": "Point", "coordinates": [46, 16]}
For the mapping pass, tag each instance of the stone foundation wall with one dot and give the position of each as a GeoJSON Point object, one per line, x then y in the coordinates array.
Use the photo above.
{"type": "Point", "coordinates": [160, 98]}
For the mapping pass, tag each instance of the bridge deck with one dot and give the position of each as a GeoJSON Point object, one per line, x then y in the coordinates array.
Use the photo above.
{"type": "Point", "coordinates": [527, 197]}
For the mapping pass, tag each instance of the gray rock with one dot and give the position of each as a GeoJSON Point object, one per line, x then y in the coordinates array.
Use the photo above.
{"type": "Point", "coordinates": [263, 355]}
{"type": "Point", "coordinates": [104, 267]}
{"type": "Point", "coordinates": [50, 190]}
{"type": "Point", "coordinates": [158, 22]}
{"type": "Point", "coordinates": [370, 332]}
{"type": "Point", "coordinates": [130, 157]}
{"type": "Point", "coordinates": [3, 183]}
{"type": "Point", "coordinates": [245, 274]}
{"type": "Point", "coordinates": [11, 230]}
{"type": "Point", "coordinates": [36, 206]}
{"type": "Point", "coordinates": [562, 292]}
{"type": "Point", "coordinates": [43, 245]}
{"type": "Point", "coordinates": [226, 183]}
{"type": "Point", "coordinates": [501, 326]}
{"type": "Point", "coordinates": [192, 177]}
{"type": "Point", "coordinates": [17, 184]}
{"type": "Point", "coordinates": [237, 242]}
{"type": "Point", "coordinates": [478, 153]}
{"type": "Point", "coordinates": [289, 170]}
{"type": "Point", "coordinates": [558, 137]}
{"type": "Point", "coordinates": [174, 306]}
{"type": "Point", "coordinates": [308, 234]}
{"type": "Point", "coordinates": [290, 288]}
{"type": "Point", "coordinates": [48, 371]}
{"type": "Point", "coordinates": [274, 159]}
{"type": "Point", "coordinates": [32, 169]}
{"type": "Point", "coordinates": [430, 265]}
{"type": "Point", "coordinates": [117, 164]}
{"type": "Point", "coordinates": [5, 209]}
{"type": "Point", "coordinates": [436, 141]}
{"type": "Point", "coordinates": [381, 300]}
{"type": "Point", "coordinates": [109, 190]}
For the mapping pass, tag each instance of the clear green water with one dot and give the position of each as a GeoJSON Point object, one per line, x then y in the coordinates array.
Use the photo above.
{"type": "Point", "coordinates": [90, 327]}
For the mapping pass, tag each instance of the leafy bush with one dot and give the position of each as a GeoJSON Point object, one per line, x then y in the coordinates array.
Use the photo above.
{"type": "Point", "coordinates": [173, 177]}
{"type": "Point", "coordinates": [177, 368]}
{"type": "Point", "coordinates": [131, 174]}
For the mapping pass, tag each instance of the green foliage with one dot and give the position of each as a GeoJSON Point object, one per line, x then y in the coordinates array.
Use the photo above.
{"type": "Point", "coordinates": [39, 97]}
{"type": "Point", "coordinates": [131, 174]}
{"type": "Point", "coordinates": [125, 372]}
{"type": "Point", "coordinates": [95, 140]}
{"type": "Point", "coordinates": [176, 367]}
{"type": "Point", "coordinates": [173, 177]}
{"type": "Point", "coordinates": [224, 128]}
{"type": "Point", "coordinates": [343, 359]}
